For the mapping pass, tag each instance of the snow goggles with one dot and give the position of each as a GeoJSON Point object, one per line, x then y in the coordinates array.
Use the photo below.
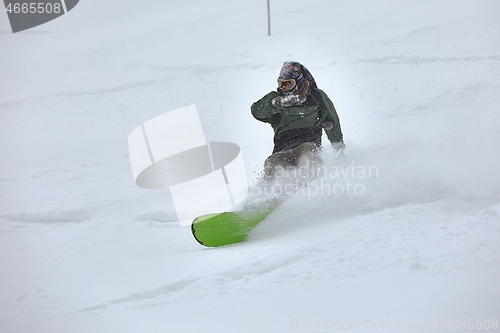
{"type": "Point", "coordinates": [287, 84]}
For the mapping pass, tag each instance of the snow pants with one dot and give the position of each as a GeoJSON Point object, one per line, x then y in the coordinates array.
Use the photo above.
{"type": "Point", "coordinates": [305, 158]}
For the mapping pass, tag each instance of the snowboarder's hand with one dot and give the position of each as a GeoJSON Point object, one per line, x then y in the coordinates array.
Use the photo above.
{"type": "Point", "coordinates": [338, 146]}
{"type": "Point", "coordinates": [287, 101]}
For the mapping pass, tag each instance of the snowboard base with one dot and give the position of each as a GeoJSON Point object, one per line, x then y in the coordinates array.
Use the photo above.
{"type": "Point", "coordinates": [214, 230]}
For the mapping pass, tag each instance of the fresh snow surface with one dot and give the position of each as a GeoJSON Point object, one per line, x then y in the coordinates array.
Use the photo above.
{"type": "Point", "coordinates": [413, 243]}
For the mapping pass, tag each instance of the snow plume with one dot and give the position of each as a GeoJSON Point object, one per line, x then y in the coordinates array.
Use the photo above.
{"type": "Point", "coordinates": [408, 171]}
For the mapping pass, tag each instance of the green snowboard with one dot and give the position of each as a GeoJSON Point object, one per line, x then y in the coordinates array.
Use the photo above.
{"type": "Point", "coordinates": [214, 230]}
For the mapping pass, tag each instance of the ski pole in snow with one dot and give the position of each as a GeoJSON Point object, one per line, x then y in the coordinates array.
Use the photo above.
{"type": "Point", "coordinates": [268, 18]}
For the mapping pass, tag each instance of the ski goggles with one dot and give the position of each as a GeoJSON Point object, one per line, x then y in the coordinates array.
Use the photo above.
{"type": "Point", "coordinates": [287, 84]}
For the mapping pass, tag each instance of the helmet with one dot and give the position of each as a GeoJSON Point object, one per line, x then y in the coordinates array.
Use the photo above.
{"type": "Point", "coordinates": [292, 76]}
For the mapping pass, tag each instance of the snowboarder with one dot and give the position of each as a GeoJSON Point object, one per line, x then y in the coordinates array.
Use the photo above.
{"type": "Point", "coordinates": [298, 112]}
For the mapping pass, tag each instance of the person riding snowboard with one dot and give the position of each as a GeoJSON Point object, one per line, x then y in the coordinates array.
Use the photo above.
{"type": "Point", "coordinates": [298, 111]}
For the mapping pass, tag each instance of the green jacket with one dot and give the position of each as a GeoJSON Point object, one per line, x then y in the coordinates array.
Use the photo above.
{"type": "Point", "coordinates": [297, 124]}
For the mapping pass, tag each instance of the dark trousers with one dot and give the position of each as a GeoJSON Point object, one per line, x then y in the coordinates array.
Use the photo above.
{"type": "Point", "coordinates": [306, 155]}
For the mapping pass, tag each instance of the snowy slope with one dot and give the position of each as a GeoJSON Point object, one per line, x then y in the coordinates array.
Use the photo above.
{"type": "Point", "coordinates": [415, 84]}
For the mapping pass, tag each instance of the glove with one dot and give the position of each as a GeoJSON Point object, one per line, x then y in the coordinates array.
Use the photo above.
{"type": "Point", "coordinates": [338, 146]}
{"type": "Point", "coordinates": [287, 101]}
